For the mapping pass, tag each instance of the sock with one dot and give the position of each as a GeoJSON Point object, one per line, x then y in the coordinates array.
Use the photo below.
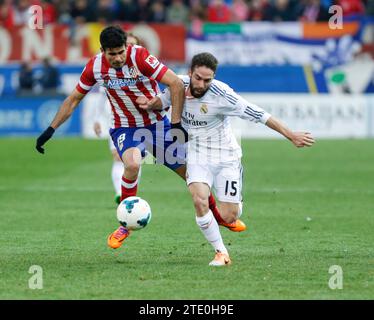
{"type": "Point", "coordinates": [213, 207]}
{"type": "Point", "coordinates": [129, 188]}
{"type": "Point", "coordinates": [117, 173]}
{"type": "Point", "coordinates": [240, 209]}
{"type": "Point", "coordinates": [209, 227]}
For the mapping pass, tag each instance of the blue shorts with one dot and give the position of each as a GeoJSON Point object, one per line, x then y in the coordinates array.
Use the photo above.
{"type": "Point", "coordinates": [154, 138]}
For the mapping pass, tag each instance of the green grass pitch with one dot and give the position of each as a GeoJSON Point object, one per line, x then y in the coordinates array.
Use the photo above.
{"type": "Point", "coordinates": [306, 210]}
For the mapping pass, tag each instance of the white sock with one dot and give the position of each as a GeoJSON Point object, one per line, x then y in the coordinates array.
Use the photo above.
{"type": "Point", "coordinates": [117, 172]}
{"type": "Point", "coordinates": [240, 209]}
{"type": "Point", "coordinates": [209, 227]}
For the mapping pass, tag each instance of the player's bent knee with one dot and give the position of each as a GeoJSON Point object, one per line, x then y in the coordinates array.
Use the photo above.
{"type": "Point", "coordinates": [201, 203]}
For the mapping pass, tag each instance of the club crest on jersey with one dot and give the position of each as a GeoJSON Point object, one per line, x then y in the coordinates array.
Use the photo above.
{"type": "Point", "coordinates": [152, 61]}
{"type": "Point", "coordinates": [204, 108]}
{"type": "Point", "coordinates": [133, 72]}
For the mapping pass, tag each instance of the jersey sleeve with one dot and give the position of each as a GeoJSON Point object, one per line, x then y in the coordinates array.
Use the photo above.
{"type": "Point", "coordinates": [149, 65]}
{"type": "Point", "coordinates": [235, 105]}
{"type": "Point", "coordinates": [165, 98]}
{"type": "Point", "coordinates": [87, 79]}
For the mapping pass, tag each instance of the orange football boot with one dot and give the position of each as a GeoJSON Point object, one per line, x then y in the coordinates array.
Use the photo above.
{"type": "Point", "coordinates": [116, 238]}
{"type": "Point", "coordinates": [236, 226]}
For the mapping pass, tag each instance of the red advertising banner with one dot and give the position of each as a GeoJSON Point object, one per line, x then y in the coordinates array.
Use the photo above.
{"type": "Point", "coordinates": [77, 45]}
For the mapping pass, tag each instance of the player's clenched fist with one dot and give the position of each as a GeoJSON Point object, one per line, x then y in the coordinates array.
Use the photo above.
{"type": "Point", "coordinates": [149, 104]}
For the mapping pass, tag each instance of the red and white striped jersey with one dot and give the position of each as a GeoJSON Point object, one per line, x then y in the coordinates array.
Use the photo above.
{"type": "Point", "coordinates": [138, 77]}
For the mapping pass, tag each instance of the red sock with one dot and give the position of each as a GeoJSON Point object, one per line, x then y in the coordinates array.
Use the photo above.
{"type": "Point", "coordinates": [128, 188]}
{"type": "Point", "coordinates": [214, 209]}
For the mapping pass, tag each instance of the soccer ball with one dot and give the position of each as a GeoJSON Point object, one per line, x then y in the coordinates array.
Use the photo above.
{"type": "Point", "coordinates": [134, 213]}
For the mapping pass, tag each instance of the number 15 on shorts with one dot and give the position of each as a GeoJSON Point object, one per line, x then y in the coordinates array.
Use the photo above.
{"type": "Point", "coordinates": [231, 188]}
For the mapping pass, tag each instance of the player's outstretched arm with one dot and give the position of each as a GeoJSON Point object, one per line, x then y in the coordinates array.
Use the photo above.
{"type": "Point", "coordinates": [299, 139]}
{"type": "Point", "coordinates": [65, 111]}
{"type": "Point", "coordinates": [176, 88]}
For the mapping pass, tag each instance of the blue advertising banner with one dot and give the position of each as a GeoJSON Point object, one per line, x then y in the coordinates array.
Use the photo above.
{"type": "Point", "coordinates": [31, 116]}
{"type": "Point", "coordinates": [9, 76]}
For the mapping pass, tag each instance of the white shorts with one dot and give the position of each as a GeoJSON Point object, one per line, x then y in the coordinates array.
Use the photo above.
{"type": "Point", "coordinates": [224, 178]}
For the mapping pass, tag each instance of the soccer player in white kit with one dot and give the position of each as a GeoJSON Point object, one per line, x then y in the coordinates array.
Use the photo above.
{"type": "Point", "coordinates": [213, 154]}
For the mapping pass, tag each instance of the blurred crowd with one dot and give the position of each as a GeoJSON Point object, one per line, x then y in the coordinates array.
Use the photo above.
{"type": "Point", "coordinates": [187, 12]}
{"type": "Point", "coordinates": [35, 81]}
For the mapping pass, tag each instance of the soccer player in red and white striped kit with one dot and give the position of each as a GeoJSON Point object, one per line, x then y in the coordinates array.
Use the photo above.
{"type": "Point", "coordinates": [127, 72]}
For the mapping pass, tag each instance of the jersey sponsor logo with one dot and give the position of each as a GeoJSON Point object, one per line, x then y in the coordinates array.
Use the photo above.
{"type": "Point", "coordinates": [121, 83]}
{"type": "Point", "coordinates": [204, 108]}
{"type": "Point", "coordinates": [152, 61]}
{"type": "Point", "coordinates": [194, 123]}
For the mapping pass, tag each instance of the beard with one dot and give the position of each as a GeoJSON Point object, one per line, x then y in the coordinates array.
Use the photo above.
{"type": "Point", "coordinates": [117, 65]}
{"type": "Point", "coordinates": [197, 93]}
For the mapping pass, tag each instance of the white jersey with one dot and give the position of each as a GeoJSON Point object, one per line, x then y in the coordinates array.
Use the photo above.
{"type": "Point", "coordinates": [207, 121]}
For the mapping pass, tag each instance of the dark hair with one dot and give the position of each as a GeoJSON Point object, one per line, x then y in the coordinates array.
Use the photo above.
{"type": "Point", "coordinates": [205, 59]}
{"type": "Point", "coordinates": [112, 37]}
